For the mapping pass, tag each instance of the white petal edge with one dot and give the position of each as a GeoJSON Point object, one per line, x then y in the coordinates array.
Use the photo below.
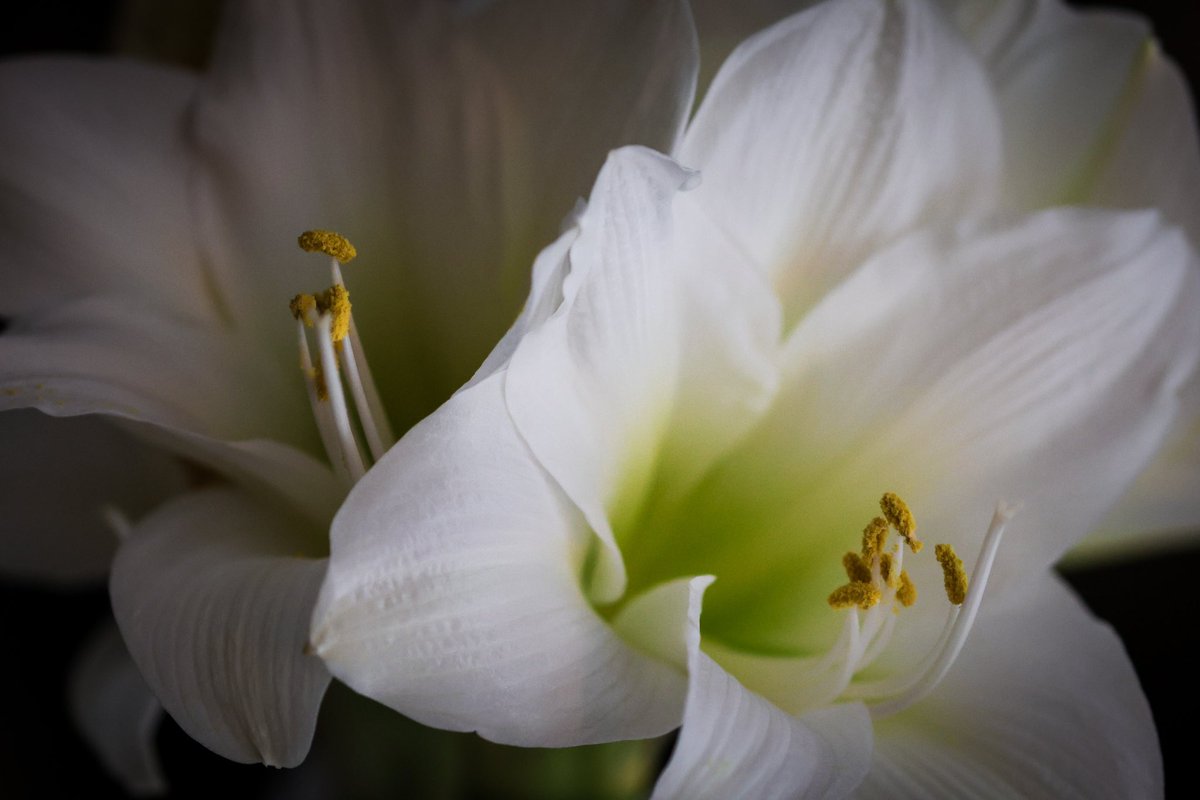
{"type": "Point", "coordinates": [453, 594]}
{"type": "Point", "coordinates": [1042, 702]}
{"type": "Point", "coordinates": [734, 743]}
{"type": "Point", "coordinates": [213, 601]}
{"type": "Point", "coordinates": [117, 713]}
{"type": "Point", "coordinates": [590, 389]}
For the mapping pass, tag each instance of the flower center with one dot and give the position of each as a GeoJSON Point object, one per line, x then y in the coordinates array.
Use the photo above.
{"type": "Point", "coordinates": [878, 588]}
{"type": "Point", "coordinates": [342, 364]}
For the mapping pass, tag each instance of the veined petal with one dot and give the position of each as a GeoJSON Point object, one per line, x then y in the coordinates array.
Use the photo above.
{"type": "Point", "coordinates": [1042, 702]}
{"type": "Point", "coordinates": [91, 146]}
{"type": "Point", "coordinates": [1038, 362]}
{"type": "Point", "coordinates": [591, 388]}
{"type": "Point", "coordinates": [840, 128]}
{"type": "Point", "coordinates": [57, 477]}
{"type": "Point", "coordinates": [213, 600]}
{"type": "Point", "coordinates": [453, 594]}
{"type": "Point", "coordinates": [403, 125]}
{"type": "Point", "coordinates": [117, 713]}
{"type": "Point", "coordinates": [736, 744]}
{"type": "Point", "coordinates": [1092, 110]}
{"type": "Point", "coordinates": [110, 355]}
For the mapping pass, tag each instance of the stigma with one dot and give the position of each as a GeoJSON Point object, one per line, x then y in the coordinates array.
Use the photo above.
{"type": "Point", "coordinates": [878, 589]}
{"type": "Point", "coordinates": [341, 366]}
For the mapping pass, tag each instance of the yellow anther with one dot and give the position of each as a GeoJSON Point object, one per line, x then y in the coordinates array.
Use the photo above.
{"type": "Point", "coordinates": [857, 569]}
{"type": "Point", "coordinates": [301, 305]}
{"type": "Point", "coordinates": [907, 593]}
{"type": "Point", "coordinates": [874, 538]}
{"type": "Point", "coordinates": [897, 513]}
{"type": "Point", "coordinates": [335, 301]}
{"type": "Point", "coordinates": [886, 570]}
{"type": "Point", "coordinates": [855, 593]}
{"type": "Point", "coordinates": [327, 242]}
{"type": "Point", "coordinates": [955, 575]}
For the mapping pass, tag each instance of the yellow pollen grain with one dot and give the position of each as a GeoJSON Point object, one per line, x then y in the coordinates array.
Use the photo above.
{"type": "Point", "coordinates": [301, 305]}
{"type": "Point", "coordinates": [897, 513]}
{"type": "Point", "coordinates": [855, 593]}
{"type": "Point", "coordinates": [335, 301]}
{"type": "Point", "coordinates": [874, 538]}
{"type": "Point", "coordinates": [907, 593]}
{"type": "Point", "coordinates": [955, 575]}
{"type": "Point", "coordinates": [857, 568]}
{"type": "Point", "coordinates": [327, 242]}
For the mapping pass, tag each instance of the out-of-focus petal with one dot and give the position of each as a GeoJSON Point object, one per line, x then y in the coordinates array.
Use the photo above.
{"type": "Point", "coordinates": [454, 595]}
{"type": "Point", "coordinates": [117, 713]}
{"type": "Point", "coordinates": [57, 478]}
{"type": "Point", "coordinates": [213, 597]}
{"type": "Point", "coordinates": [419, 132]}
{"type": "Point", "coordinates": [1042, 702]}
{"type": "Point", "coordinates": [93, 186]}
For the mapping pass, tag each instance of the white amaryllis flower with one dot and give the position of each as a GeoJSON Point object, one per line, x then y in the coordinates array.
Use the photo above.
{"type": "Point", "coordinates": [645, 510]}
{"type": "Point", "coordinates": [151, 218]}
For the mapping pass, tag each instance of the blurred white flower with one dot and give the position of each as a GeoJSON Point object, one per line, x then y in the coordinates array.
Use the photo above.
{"type": "Point", "coordinates": [870, 290]}
{"type": "Point", "coordinates": [151, 217]}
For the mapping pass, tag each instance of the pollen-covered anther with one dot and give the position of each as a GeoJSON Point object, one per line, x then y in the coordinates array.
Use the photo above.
{"type": "Point", "coordinates": [302, 306]}
{"type": "Point", "coordinates": [328, 242]}
{"type": "Point", "coordinates": [857, 568]}
{"type": "Point", "coordinates": [906, 593]}
{"type": "Point", "coordinates": [954, 573]}
{"type": "Point", "coordinates": [887, 570]}
{"type": "Point", "coordinates": [897, 514]}
{"type": "Point", "coordinates": [855, 593]}
{"type": "Point", "coordinates": [335, 301]}
{"type": "Point", "coordinates": [874, 538]}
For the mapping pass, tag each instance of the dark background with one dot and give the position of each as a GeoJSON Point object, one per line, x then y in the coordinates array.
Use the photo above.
{"type": "Point", "coordinates": [1147, 600]}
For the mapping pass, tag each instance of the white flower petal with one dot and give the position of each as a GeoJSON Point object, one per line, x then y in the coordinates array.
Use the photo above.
{"type": "Point", "coordinates": [1037, 363]}
{"type": "Point", "coordinates": [402, 125]}
{"type": "Point", "coordinates": [110, 355]}
{"type": "Point", "coordinates": [188, 387]}
{"type": "Point", "coordinates": [89, 146]}
{"type": "Point", "coordinates": [1042, 702]}
{"type": "Point", "coordinates": [56, 479]}
{"type": "Point", "coordinates": [117, 713]}
{"type": "Point", "coordinates": [1092, 110]}
{"type": "Point", "coordinates": [736, 744]}
{"type": "Point", "coordinates": [831, 133]}
{"type": "Point", "coordinates": [213, 599]}
{"type": "Point", "coordinates": [590, 389]}
{"type": "Point", "coordinates": [453, 594]}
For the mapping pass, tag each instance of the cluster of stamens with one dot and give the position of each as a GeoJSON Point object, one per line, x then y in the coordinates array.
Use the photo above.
{"type": "Point", "coordinates": [878, 588]}
{"type": "Point", "coordinates": [341, 360]}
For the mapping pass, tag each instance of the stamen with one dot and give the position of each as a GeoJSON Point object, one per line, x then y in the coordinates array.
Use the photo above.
{"type": "Point", "coordinates": [856, 593]}
{"type": "Point", "coordinates": [907, 592]}
{"type": "Point", "coordinates": [958, 624]}
{"type": "Point", "coordinates": [331, 244]}
{"type": "Point", "coordinates": [335, 301]}
{"type": "Point", "coordinates": [367, 403]}
{"type": "Point", "coordinates": [348, 446]}
{"type": "Point", "coordinates": [874, 537]}
{"type": "Point", "coordinates": [318, 396]}
{"type": "Point", "coordinates": [954, 575]}
{"type": "Point", "coordinates": [897, 514]}
{"type": "Point", "coordinates": [857, 569]}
